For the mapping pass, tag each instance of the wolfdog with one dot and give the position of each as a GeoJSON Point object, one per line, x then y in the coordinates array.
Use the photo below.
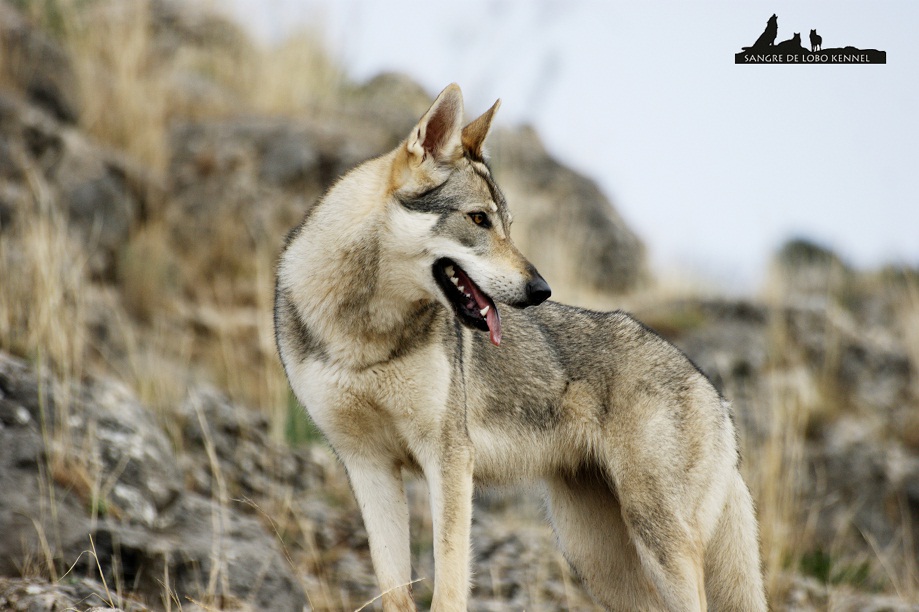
{"type": "Point", "coordinates": [388, 293]}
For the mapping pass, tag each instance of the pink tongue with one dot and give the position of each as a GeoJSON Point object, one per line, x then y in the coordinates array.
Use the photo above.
{"type": "Point", "coordinates": [494, 325]}
{"type": "Point", "coordinates": [492, 318]}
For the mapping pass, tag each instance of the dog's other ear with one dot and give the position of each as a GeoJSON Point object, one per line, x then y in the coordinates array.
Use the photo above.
{"type": "Point", "coordinates": [475, 133]}
{"type": "Point", "coordinates": [437, 134]}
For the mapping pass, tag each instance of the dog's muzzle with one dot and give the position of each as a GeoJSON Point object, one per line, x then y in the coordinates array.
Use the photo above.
{"type": "Point", "coordinates": [535, 292]}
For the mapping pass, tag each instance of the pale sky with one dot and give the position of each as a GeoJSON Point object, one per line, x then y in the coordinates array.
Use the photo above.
{"type": "Point", "coordinates": [713, 164]}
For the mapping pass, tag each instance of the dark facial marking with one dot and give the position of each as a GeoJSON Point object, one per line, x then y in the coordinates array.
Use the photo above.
{"type": "Point", "coordinates": [496, 194]}
{"type": "Point", "coordinates": [431, 201]}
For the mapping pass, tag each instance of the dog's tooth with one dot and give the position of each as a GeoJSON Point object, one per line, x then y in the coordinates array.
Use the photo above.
{"type": "Point", "coordinates": [461, 288]}
{"type": "Point", "coordinates": [454, 280]}
{"type": "Point", "coordinates": [484, 311]}
{"type": "Point", "coordinates": [449, 270]}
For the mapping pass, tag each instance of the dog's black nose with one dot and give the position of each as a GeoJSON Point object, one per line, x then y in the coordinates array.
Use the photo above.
{"type": "Point", "coordinates": [537, 291]}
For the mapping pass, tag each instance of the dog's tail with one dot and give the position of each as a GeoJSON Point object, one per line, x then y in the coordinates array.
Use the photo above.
{"type": "Point", "coordinates": [734, 578]}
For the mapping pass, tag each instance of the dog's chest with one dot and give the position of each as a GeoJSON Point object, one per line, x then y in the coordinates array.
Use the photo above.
{"type": "Point", "coordinates": [397, 402]}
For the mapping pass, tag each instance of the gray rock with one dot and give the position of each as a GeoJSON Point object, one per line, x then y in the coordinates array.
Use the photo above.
{"type": "Point", "coordinates": [128, 444]}
{"type": "Point", "coordinates": [37, 595]}
{"type": "Point", "coordinates": [390, 99]}
{"type": "Point", "coordinates": [54, 168]}
{"type": "Point", "coordinates": [113, 434]}
{"type": "Point", "coordinates": [38, 65]}
{"type": "Point", "coordinates": [209, 550]}
{"type": "Point", "coordinates": [27, 405]}
{"type": "Point", "coordinates": [87, 460]}
{"type": "Point", "coordinates": [865, 483]}
{"type": "Point", "coordinates": [177, 25]}
{"type": "Point", "coordinates": [807, 271]}
{"type": "Point", "coordinates": [251, 463]}
{"type": "Point", "coordinates": [287, 161]}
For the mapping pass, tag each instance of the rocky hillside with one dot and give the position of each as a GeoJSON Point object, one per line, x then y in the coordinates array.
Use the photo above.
{"type": "Point", "coordinates": [151, 456]}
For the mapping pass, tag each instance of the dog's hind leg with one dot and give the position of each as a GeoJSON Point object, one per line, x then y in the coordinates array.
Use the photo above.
{"type": "Point", "coordinates": [732, 561]}
{"type": "Point", "coordinates": [664, 533]}
{"type": "Point", "coordinates": [592, 535]}
{"type": "Point", "coordinates": [672, 560]}
{"type": "Point", "coordinates": [380, 493]}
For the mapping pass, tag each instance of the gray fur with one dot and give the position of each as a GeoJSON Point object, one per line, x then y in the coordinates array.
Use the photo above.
{"type": "Point", "coordinates": [290, 328]}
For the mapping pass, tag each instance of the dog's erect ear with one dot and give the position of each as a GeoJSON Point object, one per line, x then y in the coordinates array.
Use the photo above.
{"type": "Point", "coordinates": [437, 135]}
{"type": "Point", "coordinates": [475, 133]}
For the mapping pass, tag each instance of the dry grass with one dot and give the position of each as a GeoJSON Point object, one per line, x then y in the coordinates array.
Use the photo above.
{"type": "Point", "coordinates": [319, 81]}
{"type": "Point", "coordinates": [122, 87]}
{"type": "Point", "coordinates": [42, 305]}
{"type": "Point", "coordinates": [804, 396]}
{"type": "Point", "coordinates": [132, 89]}
{"type": "Point", "coordinates": [775, 467]}
{"type": "Point", "coordinates": [908, 329]}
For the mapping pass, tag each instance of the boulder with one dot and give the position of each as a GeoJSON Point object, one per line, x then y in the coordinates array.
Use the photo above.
{"type": "Point", "coordinates": [39, 595]}
{"type": "Point", "coordinates": [86, 460]}
{"type": "Point", "coordinates": [240, 185]}
{"type": "Point", "coordinates": [251, 463]}
{"type": "Point", "coordinates": [38, 65]}
{"type": "Point", "coordinates": [210, 551]}
{"type": "Point", "coordinates": [52, 168]}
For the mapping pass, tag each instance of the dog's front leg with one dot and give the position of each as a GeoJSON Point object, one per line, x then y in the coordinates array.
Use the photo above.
{"type": "Point", "coordinates": [450, 484]}
{"type": "Point", "coordinates": [378, 487]}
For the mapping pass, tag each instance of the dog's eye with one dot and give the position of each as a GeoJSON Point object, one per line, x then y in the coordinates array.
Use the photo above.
{"type": "Point", "coordinates": [480, 218]}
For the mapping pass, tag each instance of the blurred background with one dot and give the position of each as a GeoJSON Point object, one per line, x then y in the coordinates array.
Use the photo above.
{"type": "Point", "coordinates": [715, 165]}
{"type": "Point", "coordinates": [154, 153]}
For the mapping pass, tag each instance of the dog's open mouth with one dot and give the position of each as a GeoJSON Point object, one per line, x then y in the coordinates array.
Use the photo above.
{"type": "Point", "coordinates": [471, 305]}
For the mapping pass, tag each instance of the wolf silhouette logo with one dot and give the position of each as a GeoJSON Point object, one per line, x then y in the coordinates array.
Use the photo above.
{"type": "Point", "coordinates": [791, 51]}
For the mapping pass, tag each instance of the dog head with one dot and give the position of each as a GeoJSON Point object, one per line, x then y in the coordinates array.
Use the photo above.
{"type": "Point", "coordinates": [449, 217]}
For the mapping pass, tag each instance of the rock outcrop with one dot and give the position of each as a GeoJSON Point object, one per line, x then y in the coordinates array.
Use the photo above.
{"type": "Point", "coordinates": [85, 467]}
{"type": "Point", "coordinates": [37, 65]}
{"type": "Point", "coordinates": [53, 165]}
